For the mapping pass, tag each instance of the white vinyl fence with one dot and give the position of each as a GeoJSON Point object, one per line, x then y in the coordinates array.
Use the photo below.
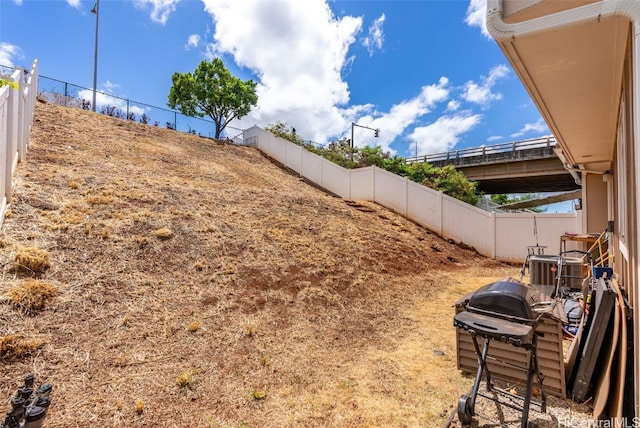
{"type": "Point", "coordinates": [503, 236]}
{"type": "Point", "coordinates": [16, 117]}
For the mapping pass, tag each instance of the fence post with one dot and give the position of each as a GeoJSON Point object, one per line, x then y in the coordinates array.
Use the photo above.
{"type": "Point", "coordinates": [494, 238]}
{"type": "Point", "coordinates": [406, 197]}
{"type": "Point", "coordinates": [20, 115]}
{"type": "Point", "coordinates": [5, 143]}
{"type": "Point", "coordinates": [441, 217]}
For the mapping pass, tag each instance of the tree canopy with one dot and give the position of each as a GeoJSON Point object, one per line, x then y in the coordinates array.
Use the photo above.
{"type": "Point", "coordinates": [211, 90]}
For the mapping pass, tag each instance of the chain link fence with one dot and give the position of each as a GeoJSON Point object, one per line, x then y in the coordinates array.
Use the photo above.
{"type": "Point", "coordinates": [67, 94]}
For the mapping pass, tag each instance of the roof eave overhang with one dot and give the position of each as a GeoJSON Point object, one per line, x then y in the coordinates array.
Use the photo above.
{"type": "Point", "coordinates": [508, 37]}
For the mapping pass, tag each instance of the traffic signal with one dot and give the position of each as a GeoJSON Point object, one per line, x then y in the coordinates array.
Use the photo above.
{"type": "Point", "coordinates": [377, 132]}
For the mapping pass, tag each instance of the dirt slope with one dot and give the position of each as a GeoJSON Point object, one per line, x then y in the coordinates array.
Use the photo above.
{"type": "Point", "coordinates": [197, 284]}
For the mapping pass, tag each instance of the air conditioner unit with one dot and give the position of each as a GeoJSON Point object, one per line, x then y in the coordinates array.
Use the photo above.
{"type": "Point", "coordinates": [543, 270]}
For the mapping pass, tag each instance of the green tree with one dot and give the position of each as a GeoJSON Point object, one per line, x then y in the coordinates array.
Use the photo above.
{"type": "Point", "coordinates": [503, 199]}
{"type": "Point", "coordinates": [341, 153]}
{"type": "Point", "coordinates": [500, 198]}
{"type": "Point", "coordinates": [452, 182]}
{"type": "Point", "coordinates": [283, 130]}
{"type": "Point", "coordinates": [211, 90]}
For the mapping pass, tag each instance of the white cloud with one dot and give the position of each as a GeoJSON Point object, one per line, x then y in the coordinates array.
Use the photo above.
{"type": "Point", "coordinates": [18, 2]}
{"type": "Point", "coordinates": [477, 16]}
{"type": "Point", "coordinates": [110, 87]}
{"type": "Point", "coordinates": [453, 105]}
{"type": "Point", "coordinates": [9, 53]}
{"type": "Point", "coordinates": [160, 9]}
{"type": "Point", "coordinates": [297, 50]}
{"type": "Point", "coordinates": [106, 100]}
{"type": "Point", "coordinates": [375, 38]}
{"type": "Point", "coordinates": [193, 41]}
{"type": "Point", "coordinates": [539, 127]}
{"type": "Point", "coordinates": [393, 124]}
{"type": "Point", "coordinates": [481, 93]}
{"type": "Point", "coordinates": [444, 133]}
{"type": "Point", "coordinates": [74, 3]}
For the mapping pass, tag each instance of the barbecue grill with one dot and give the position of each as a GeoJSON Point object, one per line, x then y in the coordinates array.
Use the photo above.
{"type": "Point", "coordinates": [509, 311]}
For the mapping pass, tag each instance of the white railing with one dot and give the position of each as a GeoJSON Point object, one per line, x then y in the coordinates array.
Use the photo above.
{"type": "Point", "coordinates": [503, 236]}
{"type": "Point", "coordinates": [16, 117]}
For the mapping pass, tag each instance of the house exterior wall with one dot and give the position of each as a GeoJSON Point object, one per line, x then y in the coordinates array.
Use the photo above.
{"type": "Point", "coordinates": [614, 54]}
{"type": "Point", "coordinates": [627, 214]}
{"type": "Point", "coordinates": [594, 202]}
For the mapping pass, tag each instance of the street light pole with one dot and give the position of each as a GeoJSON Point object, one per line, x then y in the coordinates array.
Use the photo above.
{"type": "Point", "coordinates": [352, 126]}
{"type": "Point", "coordinates": [96, 11]}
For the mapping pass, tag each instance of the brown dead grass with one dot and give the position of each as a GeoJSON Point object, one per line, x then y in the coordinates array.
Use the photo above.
{"type": "Point", "coordinates": [15, 347]}
{"type": "Point", "coordinates": [32, 296]}
{"type": "Point", "coordinates": [32, 261]}
{"type": "Point", "coordinates": [200, 285]}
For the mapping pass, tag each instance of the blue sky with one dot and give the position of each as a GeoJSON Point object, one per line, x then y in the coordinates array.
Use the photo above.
{"type": "Point", "coordinates": [424, 72]}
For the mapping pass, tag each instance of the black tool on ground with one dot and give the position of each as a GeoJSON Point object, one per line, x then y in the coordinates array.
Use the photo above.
{"type": "Point", "coordinates": [508, 311]}
{"type": "Point", "coordinates": [28, 408]}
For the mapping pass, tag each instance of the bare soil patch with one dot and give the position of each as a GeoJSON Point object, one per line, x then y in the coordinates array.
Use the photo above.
{"type": "Point", "coordinates": [193, 283]}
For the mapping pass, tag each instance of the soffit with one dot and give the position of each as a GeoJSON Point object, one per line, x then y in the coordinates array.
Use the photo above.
{"type": "Point", "coordinates": [523, 10]}
{"type": "Point", "coordinates": [574, 75]}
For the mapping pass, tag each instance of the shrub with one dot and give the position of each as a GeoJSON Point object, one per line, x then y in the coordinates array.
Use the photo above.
{"type": "Point", "coordinates": [163, 234]}
{"type": "Point", "coordinates": [187, 380]}
{"type": "Point", "coordinates": [14, 347]}
{"type": "Point", "coordinates": [32, 296]}
{"type": "Point", "coordinates": [32, 260]}
{"type": "Point", "coordinates": [447, 179]}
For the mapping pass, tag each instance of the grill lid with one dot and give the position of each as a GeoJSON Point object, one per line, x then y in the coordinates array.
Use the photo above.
{"type": "Point", "coordinates": [508, 298]}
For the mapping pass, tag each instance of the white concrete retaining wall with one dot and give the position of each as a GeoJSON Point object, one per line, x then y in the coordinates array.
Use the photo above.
{"type": "Point", "coordinates": [497, 235]}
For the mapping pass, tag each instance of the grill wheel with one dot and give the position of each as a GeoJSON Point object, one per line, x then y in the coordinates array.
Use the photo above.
{"type": "Point", "coordinates": [465, 409]}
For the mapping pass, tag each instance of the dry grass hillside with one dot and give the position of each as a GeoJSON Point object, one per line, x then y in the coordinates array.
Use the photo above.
{"type": "Point", "coordinates": [159, 279]}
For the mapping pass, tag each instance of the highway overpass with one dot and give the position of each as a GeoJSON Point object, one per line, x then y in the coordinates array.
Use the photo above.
{"type": "Point", "coordinates": [528, 166]}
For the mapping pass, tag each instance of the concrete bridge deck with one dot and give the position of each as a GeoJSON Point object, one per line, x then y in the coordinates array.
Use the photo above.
{"type": "Point", "coordinates": [528, 166]}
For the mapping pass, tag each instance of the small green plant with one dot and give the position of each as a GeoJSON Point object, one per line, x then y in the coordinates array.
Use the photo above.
{"type": "Point", "coordinates": [265, 360]}
{"type": "Point", "coordinates": [345, 384]}
{"type": "Point", "coordinates": [4, 82]}
{"type": "Point", "coordinates": [187, 380]}
{"type": "Point", "coordinates": [259, 394]}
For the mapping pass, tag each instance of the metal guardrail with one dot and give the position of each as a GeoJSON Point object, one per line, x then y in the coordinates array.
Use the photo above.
{"type": "Point", "coordinates": [483, 151]}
